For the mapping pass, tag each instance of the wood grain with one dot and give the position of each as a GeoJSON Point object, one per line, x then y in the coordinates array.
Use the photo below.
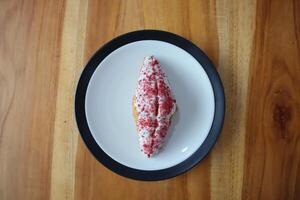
{"type": "Point", "coordinates": [30, 49]}
{"type": "Point", "coordinates": [254, 45]}
{"type": "Point", "coordinates": [65, 129]}
{"type": "Point", "coordinates": [273, 145]}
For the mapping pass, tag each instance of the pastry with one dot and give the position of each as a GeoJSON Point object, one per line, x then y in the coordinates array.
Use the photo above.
{"type": "Point", "coordinates": [153, 106]}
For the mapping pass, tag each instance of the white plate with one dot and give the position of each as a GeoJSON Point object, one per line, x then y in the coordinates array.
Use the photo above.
{"type": "Point", "coordinates": [109, 104]}
{"type": "Point", "coordinates": [103, 104]}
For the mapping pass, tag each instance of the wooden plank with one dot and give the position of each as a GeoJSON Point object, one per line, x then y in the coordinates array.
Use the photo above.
{"type": "Point", "coordinates": [65, 129]}
{"type": "Point", "coordinates": [272, 145]}
{"type": "Point", "coordinates": [30, 36]}
{"type": "Point", "coordinates": [235, 21]}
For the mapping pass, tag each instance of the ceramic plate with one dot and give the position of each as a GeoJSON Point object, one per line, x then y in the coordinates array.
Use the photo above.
{"type": "Point", "coordinates": [103, 104]}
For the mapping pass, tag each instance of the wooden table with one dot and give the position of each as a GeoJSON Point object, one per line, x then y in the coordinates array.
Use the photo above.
{"type": "Point", "coordinates": [45, 44]}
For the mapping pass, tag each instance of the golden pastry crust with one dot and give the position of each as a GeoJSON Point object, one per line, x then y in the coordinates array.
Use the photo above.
{"type": "Point", "coordinates": [134, 111]}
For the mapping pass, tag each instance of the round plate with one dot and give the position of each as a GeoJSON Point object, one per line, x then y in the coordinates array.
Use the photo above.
{"type": "Point", "coordinates": [103, 104]}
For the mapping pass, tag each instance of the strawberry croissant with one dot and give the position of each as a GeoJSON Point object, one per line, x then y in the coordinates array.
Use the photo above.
{"type": "Point", "coordinates": [153, 106]}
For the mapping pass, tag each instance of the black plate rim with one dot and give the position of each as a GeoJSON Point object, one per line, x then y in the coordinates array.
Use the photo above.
{"type": "Point", "coordinates": [199, 154]}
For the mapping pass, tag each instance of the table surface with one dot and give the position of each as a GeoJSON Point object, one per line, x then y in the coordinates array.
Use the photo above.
{"type": "Point", "coordinates": [254, 45]}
